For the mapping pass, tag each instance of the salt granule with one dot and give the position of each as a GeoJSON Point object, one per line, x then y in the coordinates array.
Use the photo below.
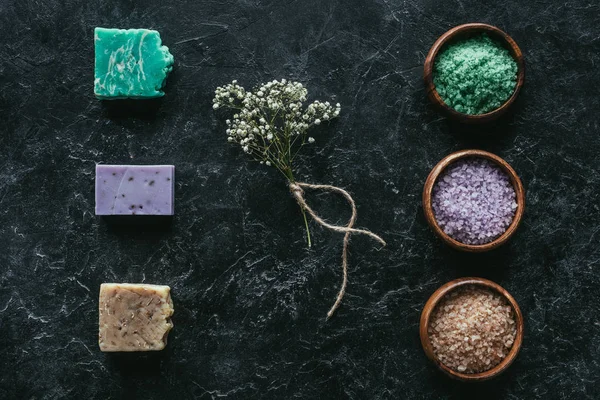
{"type": "Point", "coordinates": [473, 201]}
{"type": "Point", "coordinates": [478, 340]}
{"type": "Point", "coordinates": [475, 75]}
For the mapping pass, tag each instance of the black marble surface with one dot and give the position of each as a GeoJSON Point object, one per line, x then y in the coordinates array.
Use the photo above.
{"type": "Point", "coordinates": [250, 297]}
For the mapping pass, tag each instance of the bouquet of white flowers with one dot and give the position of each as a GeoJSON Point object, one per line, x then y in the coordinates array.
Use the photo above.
{"type": "Point", "coordinates": [271, 124]}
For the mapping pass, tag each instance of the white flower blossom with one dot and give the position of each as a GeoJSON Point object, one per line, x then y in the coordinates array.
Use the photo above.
{"type": "Point", "coordinates": [271, 122]}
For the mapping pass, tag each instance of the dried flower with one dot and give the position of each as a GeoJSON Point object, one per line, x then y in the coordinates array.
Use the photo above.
{"type": "Point", "coordinates": [271, 122]}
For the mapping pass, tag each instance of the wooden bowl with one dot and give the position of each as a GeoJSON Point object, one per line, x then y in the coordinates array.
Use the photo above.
{"type": "Point", "coordinates": [461, 32]}
{"type": "Point", "coordinates": [428, 209]}
{"type": "Point", "coordinates": [426, 317]}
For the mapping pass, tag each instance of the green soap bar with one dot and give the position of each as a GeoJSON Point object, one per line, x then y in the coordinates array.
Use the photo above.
{"type": "Point", "coordinates": [130, 63]}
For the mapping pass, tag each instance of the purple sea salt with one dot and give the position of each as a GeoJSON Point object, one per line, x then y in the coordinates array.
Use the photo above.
{"type": "Point", "coordinates": [473, 201]}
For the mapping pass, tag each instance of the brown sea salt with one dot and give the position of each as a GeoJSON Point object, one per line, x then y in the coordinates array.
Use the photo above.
{"type": "Point", "coordinates": [472, 329]}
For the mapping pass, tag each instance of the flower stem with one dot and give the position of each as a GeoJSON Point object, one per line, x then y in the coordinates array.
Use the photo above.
{"type": "Point", "coordinates": [288, 173]}
{"type": "Point", "coordinates": [307, 230]}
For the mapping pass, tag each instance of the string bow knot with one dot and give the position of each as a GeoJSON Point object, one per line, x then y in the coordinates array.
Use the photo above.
{"type": "Point", "coordinates": [297, 191]}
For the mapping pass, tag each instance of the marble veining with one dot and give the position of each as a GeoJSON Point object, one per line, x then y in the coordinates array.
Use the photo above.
{"type": "Point", "coordinates": [250, 296]}
{"type": "Point", "coordinates": [130, 63]}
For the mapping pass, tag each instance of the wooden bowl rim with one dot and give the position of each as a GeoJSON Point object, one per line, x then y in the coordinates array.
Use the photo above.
{"type": "Point", "coordinates": [426, 317]}
{"type": "Point", "coordinates": [514, 179]}
{"type": "Point", "coordinates": [452, 34]}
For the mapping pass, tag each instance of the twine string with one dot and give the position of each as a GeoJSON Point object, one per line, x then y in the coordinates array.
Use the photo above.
{"type": "Point", "coordinates": [297, 191]}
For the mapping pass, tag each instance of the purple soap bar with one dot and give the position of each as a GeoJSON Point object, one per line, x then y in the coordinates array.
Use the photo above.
{"type": "Point", "coordinates": [134, 189]}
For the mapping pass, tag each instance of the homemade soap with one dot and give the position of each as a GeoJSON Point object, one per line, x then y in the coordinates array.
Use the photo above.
{"type": "Point", "coordinates": [135, 189]}
{"type": "Point", "coordinates": [134, 317]}
{"type": "Point", "coordinates": [130, 63]}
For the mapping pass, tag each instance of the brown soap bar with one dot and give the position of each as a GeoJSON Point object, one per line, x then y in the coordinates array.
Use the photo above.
{"type": "Point", "coordinates": [134, 317]}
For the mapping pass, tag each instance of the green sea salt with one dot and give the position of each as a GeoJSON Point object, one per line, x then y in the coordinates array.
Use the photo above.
{"type": "Point", "coordinates": [475, 75]}
{"type": "Point", "coordinates": [130, 63]}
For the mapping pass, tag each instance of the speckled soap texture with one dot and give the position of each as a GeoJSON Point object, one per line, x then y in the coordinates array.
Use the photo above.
{"type": "Point", "coordinates": [134, 317]}
{"type": "Point", "coordinates": [130, 63]}
{"type": "Point", "coordinates": [135, 189]}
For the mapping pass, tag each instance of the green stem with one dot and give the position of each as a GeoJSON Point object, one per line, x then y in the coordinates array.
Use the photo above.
{"type": "Point", "coordinates": [290, 176]}
{"type": "Point", "coordinates": [306, 226]}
